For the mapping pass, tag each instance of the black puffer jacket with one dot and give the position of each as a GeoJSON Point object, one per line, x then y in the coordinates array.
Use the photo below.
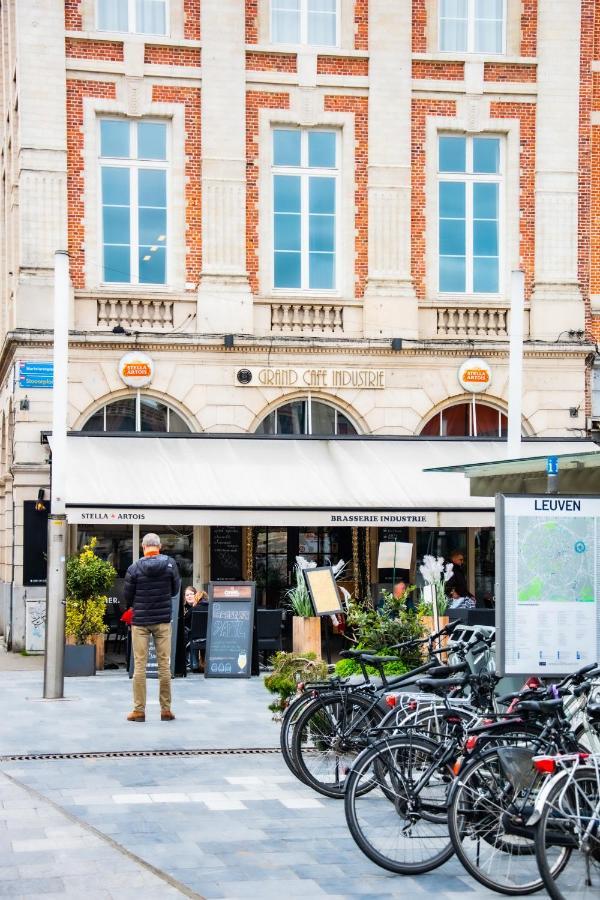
{"type": "Point", "coordinates": [149, 585]}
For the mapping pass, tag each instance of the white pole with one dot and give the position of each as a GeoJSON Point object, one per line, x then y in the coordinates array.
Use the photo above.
{"type": "Point", "coordinates": [57, 521]}
{"type": "Point", "coordinates": [515, 364]}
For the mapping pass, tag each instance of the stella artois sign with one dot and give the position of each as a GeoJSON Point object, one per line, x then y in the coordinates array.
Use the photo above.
{"type": "Point", "coordinates": [136, 369]}
{"type": "Point", "coordinates": [475, 375]}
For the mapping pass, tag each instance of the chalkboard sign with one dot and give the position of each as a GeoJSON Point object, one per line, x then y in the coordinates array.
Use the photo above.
{"type": "Point", "coordinates": [152, 664]}
{"type": "Point", "coordinates": [226, 553]}
{"type": "Point", "coordinates": [35, 542]}
{"type": "Point", "coordinates": [230, 630]}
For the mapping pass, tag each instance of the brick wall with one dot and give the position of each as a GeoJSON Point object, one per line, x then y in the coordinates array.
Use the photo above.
{"type": "Point", "coordinates": [255, 100]}
{"type": "Point", "coordinates": [442, 71]}
{"type": "Point", "coordinates": [73, 20]}
{"type": "Point", "coordinates": [525, 113]}
{"type": "Point", "coordinates": [360, 107]}
{"type": "Point", "coordinates": [361, 24]}
{"type": "Point", "coordinates": [421, 109]}
{"type": "Point", "coordinates": [158, 55]}
{"type": "Point", "coordinates": [76, 91]}
{"type": "Point", "coordinates": [498, 71]}
{"type": "Point", "coordinates": [419, 26]}
{"type": "Point", "coordinates": [191, 15]}
{"type": "Point", "coordinates": [80, 49]}
{"type": "Point", "coordinates": [267, 62]}
{"type": "Point", "coordinates": [190, 98]}
{"type": "Point", "coordinates": [342, 65]}
{"type": "Point", "coordinates": [529, 11]}
{"type": "Point", "coordinates": [252, 21]}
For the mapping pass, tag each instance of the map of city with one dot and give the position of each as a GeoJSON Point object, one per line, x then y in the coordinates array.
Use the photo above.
{"type": "Point", "coordinates": [556, 559]}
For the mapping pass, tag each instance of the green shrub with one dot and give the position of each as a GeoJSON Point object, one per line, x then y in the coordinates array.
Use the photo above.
{"type": "Point", "coordinates": [288, 670]}
{"type": "Point", "coordinates": [376, 630]}
{"type": "Point", "coordinates": [346, 667]}
{"type": "Point", "coordinates": [89, 579]}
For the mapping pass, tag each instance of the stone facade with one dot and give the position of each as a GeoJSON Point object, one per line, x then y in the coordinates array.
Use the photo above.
{"type": "Point", "coordinates": [221, 84]}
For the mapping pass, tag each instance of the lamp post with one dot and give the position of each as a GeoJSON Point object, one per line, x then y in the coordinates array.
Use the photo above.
{"type": "Point", "coordinates": [57, 521]}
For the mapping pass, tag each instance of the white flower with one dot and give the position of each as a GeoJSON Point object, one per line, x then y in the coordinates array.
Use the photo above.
{"type": "Point", "coordinates": [448, 571]}
{"type": "Point", "coordinates": [432, 569]}
{"type": "Point", "coordinates": [303, 563]}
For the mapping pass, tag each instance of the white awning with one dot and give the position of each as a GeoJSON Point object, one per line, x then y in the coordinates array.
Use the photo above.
{"type": "Point", "coordinates": [248, 480]}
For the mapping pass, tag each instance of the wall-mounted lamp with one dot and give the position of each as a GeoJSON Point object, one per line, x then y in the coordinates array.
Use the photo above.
{"type": "Point", "coordinates": [228, 340]}
{"type": "Point", "coordinates": [397, 344]}
{"type": "Point", "coordinates": [40, 506]}
{"type": "Point", "coordinates": [24, 403]}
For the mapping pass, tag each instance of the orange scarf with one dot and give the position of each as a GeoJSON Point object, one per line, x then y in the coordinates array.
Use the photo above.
{"type": "Point", "coordinates": [151, 551]}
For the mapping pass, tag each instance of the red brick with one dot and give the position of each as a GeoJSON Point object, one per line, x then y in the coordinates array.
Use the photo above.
{"type": "Point", "coordinates": [75, 48]}
{"type": "Point", "coordinates": [529, 13]}
{"type": "Point", "coordinates": [361, 24]}
{"type": "Point", "coordinates": [499, 71]}
{"type": "Point", "coordinates": [158, 55]}
{"type": "Point", "coordinates": [419, 26]}
{"type": "Point", "coordinates": [267, 62]}
{"type": "Point", "coordinates": [342, 65]}
{"type": "Point", "coordinates": [191, 15]}
{"type": "Point", "coordinates": [73, 19]}
{"type": "Point", "coordinates": [252, 21]}
{"type": "Point", "coordinates": [442, 71]}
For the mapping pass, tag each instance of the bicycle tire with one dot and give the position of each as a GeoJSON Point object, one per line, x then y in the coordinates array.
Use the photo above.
{"type": "Point", "coordinates": [399, 756]}
{"type": "Point", "coordinates": [316, 733]}
{"type": "Point", "coordinates": [572, 877]}
{"type": "Point", "coordinates": [479, 805]}
{"type": "Point", "coordinates": [288, 723]}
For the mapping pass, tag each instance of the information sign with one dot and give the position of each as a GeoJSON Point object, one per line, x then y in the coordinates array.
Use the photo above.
{"type": "Point", "coordinates": [548, 573]}
{"type": "Point", "coordinates": [36, 374]}
{"type": "Point", "coordinates": [323, 591]}
{"type": "Point", "coordinates": [230, 629]}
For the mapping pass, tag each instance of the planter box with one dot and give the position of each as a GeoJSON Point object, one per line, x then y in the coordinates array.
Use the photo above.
{"type": "Point", "coordinates": [306, 635]}
{"type": "Point", "coordinates": [97, 640]}
{"type": "Point", "coordinates": [80, 659]}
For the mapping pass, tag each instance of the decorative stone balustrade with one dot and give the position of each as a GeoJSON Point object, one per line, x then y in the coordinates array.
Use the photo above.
{"type": "Point", "coordinates": [472, 321]}
{"type": "Point", "coordinates": [132, 314]}
{"type": "Point", "coordinates": [299, 318]}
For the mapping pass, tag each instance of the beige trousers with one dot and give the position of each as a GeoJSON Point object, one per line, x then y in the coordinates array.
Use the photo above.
{"type": "Point", "coordinates": [140, 639]}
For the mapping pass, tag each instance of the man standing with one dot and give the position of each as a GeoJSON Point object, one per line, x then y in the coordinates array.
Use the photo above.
{"type": "Point", "coordinates": [150, 583]}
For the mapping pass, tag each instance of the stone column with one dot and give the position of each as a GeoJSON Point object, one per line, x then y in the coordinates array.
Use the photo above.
{"type": "Point", "coordinates": [390, 305]}
{"type": "Point", "coordinates": [556, 304]}
{"type": "Point", "coordinates": [224, 298]}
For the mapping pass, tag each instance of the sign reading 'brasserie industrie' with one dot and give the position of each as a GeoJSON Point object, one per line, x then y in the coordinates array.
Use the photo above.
{"type": "Point", "coordinates": [372, 379]}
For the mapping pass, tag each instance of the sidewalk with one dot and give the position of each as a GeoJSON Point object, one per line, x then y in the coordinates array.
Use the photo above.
{"type": "Point", "coordinates": [17, 662]}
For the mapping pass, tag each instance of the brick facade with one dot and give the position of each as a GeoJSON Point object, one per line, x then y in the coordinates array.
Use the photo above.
{"type": "Point", "coordinates": [271, 62]}
{"type": "Point", "coordinates": [252, 21]}
{"type": "Point", "coordinates": [73, 19]}
{"type": "Point", "coordinates": [529, 9]}
{"type": "Point", "coordinates": [191, 13]}
{"type": "Point", "coordinates": [158, 55]}
{"type": "Point", "coordinates": [509, 72]}
{"type": "Point", "coordinates": [419, 28]}
{"type": "Point", "coordinates": [81, 49]}
{"type": "Point", "coordinates": [343, 65]}
{"type": "Point", "coordinates": [361, 24]}
{"type": "Point", "coordinates": [441, 71]}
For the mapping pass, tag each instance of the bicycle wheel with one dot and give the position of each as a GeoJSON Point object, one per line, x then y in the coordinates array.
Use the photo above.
{"type": "Point", "coordinates": [328, 736]}
{"type": "Point", "coordinates": [288, 724]}
{"type": "Point", "coordinates": [571, 816]}
{"type": "Point", "coordinates": [487, 815]}
{"type": "Point", "coordinates": [400, 822]}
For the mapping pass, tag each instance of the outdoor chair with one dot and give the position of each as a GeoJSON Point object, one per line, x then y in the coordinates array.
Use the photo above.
{"type": "Point", "coordinates": [197, 633]}
{"type": "Point", "coordinates": [268, 630]}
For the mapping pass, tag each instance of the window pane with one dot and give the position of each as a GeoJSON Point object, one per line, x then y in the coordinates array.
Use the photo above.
{"type": "Point", "coordinates": [485, 237]}
{"type": "Point", "coordinates": [115, 224]}
{"type": "Point", "coordinates": [452, 273]}
{"type": "Point", "coordinates": [115, 185]}
{"type": "Point", "coordinates": [152, 187]}
{"type": "Point", "coordinates": [112, 15]}
{"type": "Point", "coordinates": [95, 422]}
{"type": "Point", "coordinates": [489, 9]}
{"type": "Point", "coordinates": [453, 154]}
{"type": "Point", "coordinates": [287, 231]}
{"type": "Point", "coordinates": [267, 426]}
{"type": "Point", "coordinates": [321, 149]}
{"type": "Point", "coordinates": [488, 26]}
{"type": "Point", "coordinates": [120, 415]}
{"type": "Point", "coordinates": [177, 424]}
{"type": "Point", "coordinates": [322, 418]}
{"type": "Point", "coordinates": [152, 223]}
{"type": "Point", "coordinates": [153, 415]}
{"type": "Point", "coordinates": [485, 275]}
{"type": "Point", "coordinates": [287, 270]}
{"type": "Point", "coordinates": [455, 421]}
{"type": "Point", "coordinates": [152, 140]}
{"type": "Point", "coordinates": [344, 425]}
{"type": "Point", "coordinates": [291, 418]}
{"type": "Point", "coordinates": [151, 18]}
{"type": "Point", "coordinates": [286, 21]}
{"type": "Point", "coordinates": [486, 155]}
{"type": "Point", "coordinates": [286, 147]}
{"type": "Point", "coordinates": [322, 6]}
{"type": "Point", "coordinates": [321, 195]}
{"type": "Point", "coordinates": [321, 233]}
{"type": "Point", "coordinates": [322, 271]}
{"type": "Point", "coordinates": [117, 263]}
{"type": "Point", "coordinates": [488, 420]}
{"type": "Point", "coordinates": [452, 237]}
{"type": "Point", "coordinates": [453, 25]}
{"type": "Point", "coordinates": [321, 29]}
{"type": "Point", "coordinates": [152, 265]}
{"type": "Point", "coordinates": [114, 138]}
{"type": "Point", "coordinates": [287, 193]}
{"type": "Point", "coordinates": [452, 199]}
{"type": "Point", "coordinates": [485, 201]}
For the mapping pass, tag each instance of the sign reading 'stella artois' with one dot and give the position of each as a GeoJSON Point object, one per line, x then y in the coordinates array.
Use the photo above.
{"type": "Point", "coordinates": [136, 369]}
{"type": "Point", "coordinates": [475, 375]}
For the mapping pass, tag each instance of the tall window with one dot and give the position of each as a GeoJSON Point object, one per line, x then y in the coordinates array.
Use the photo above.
{"type": "Point", "coordinates": [306, 416]}
{"type": "Point", "coordinates": [467, 420]}
{"type": "Point", "coordinates": [134, 201]}
{"type": "Point", "coordinates": [472, 26]}
{"type": "Point", "coordinates": [305, 188]}
{"type": "Point", "coordinates": [469, 214]}
{"type": "Point", "coordinates": [137, 16]}
{"type": "Point", "coordinates": [304, 22]}
{"type": "Point", "coordinates": [138, 413]}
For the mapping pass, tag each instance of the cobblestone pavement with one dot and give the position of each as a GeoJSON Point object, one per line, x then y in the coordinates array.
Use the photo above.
{"type": "Point", "coordinates": [214, 826]}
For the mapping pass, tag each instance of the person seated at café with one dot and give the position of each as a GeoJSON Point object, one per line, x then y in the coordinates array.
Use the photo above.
{"type": "Point", "coordinates": [458, 600]}
{"type": "Point", "coordinates": [400, 592]}
{"type": "Point", "coordinates": [192, 599]}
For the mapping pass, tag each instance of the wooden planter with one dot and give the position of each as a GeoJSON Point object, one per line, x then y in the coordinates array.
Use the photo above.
{"type": "Point", "coordinates": [98, 640]}
{"type": "Point", "coordinates": [80, 659]}
{"type": "Point", "coordinates": [306, 635]}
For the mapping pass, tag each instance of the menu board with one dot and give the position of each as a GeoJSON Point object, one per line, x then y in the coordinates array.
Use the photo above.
{"type": "Point", "coordinates": [323, 591]}
{"type": "Point", "coordinates": [230, 630]}
{"type": "Point", "coordinates": [226, 553]}
{"type": "Point", "coordinates": [548, 571]}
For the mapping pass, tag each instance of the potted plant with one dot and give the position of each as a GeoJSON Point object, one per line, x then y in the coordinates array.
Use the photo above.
{"type": "Point", "coordinates": [306, 627]}
{"type": "Point", "coordinates": [89, 579]}
{"type": "Point", "coordinates": [434, 602]}
{"type": "Point", "coordinates": [288, 670]}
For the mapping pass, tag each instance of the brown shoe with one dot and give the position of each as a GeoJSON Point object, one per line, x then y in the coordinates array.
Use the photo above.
{"type": "Point", "coordinates": [166, 715]}
{"type": "Point", "coordinates": [136, 716]}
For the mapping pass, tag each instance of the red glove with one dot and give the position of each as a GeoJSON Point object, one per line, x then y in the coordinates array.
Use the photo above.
{"type": "Point", "coordinates": [127, 616]}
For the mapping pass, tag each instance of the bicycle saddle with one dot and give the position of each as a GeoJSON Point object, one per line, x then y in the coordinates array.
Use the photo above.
{"type": "Point", "coordinates": [593, 711]}
{"type": "Point", "coordinates": [542, 706]}
{"type": "Point", "coordinates": [351, 654]}
{"type": "Point", "coordinates": [446, 671]}
{"type": "Point", "coordinates": [440, 684]}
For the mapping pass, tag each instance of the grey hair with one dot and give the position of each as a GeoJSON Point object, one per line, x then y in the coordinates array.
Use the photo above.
{"type": "Point", "coordinates": [151, 540]}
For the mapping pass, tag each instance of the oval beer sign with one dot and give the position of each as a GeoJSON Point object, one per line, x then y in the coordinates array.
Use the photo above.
{"type": "Point", "coordinates": [475, 375]}
{"type": "Point", "coordinates": [136, 369]}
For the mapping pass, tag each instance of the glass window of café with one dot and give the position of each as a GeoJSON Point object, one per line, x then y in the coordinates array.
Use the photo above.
{"type": "Point", "coordinates": [275, 555]}
{"type": "Point", "coordinates": [137, 413]}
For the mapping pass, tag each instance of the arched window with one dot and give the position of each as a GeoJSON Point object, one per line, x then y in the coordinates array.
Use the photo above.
{"type": "Point", "coordinates": [467, 420]}
{"type": "Point", "coordinates": [306, 416]}
{"type": "Point", "coordinates": [136, 413]}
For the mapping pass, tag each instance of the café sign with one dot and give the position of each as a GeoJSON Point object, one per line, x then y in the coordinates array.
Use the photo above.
{"type": "Point", "coordinates": [136, 369]}
{"type": "Point", "coordinates": [475, 375]}
{"type": "Point", "coordinates": [347, 377]}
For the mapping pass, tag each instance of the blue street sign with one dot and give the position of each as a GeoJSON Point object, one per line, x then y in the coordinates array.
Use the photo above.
{"type": "Point", "coordinates": [552, 465]}
{"type": "Point", "coordinates": [36, 374]}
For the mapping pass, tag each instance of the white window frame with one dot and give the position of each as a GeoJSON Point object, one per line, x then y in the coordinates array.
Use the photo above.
{"type": "Point", "coordinates": [132, 20]}
{"type": "Point", "coordinates": [134, 164]}
{"type": "Point", "coordinates": [308, 399]}
{"type": "Point", "coordinates": [470, 48]}
{"type": "Point", "coordinates": [472, 423]}
{"type": "Point", "coordinates": [305, 172]}
{"type": "Point", "coordinates": [303, 41]}
{"type": "Point", "coordinates": [470, 178]}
